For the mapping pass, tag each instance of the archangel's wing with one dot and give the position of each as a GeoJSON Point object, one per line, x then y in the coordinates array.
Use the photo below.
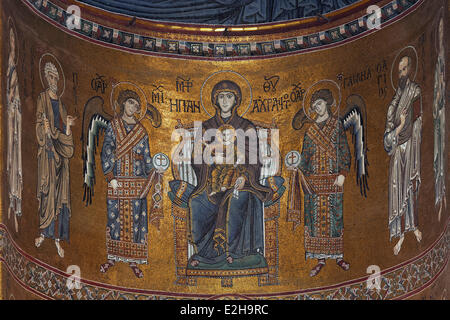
{"type": "Point", "coordinates": [153, 115]}
{"type": "Point", "coordinates": [95, 121]}
{"type": "Point", "coordinates": [299, 120]}
{"type": "Point", "coordinates": [355, 118]}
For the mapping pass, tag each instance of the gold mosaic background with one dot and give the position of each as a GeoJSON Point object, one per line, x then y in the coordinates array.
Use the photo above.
{"type": "Point", "coordinates": [366, 236]}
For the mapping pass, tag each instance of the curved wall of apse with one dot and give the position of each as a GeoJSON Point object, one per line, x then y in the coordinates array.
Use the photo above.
{"type": "Point", "coordinates": [344, 111]}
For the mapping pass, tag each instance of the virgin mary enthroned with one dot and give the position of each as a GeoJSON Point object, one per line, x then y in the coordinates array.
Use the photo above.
{"type": "Point", "coordinates": [227, 228]}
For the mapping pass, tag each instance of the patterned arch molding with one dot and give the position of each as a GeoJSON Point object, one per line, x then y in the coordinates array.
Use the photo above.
{"type": "Point", "coordinates": [398, 282]}
{"type": "Point", "coordinates": [118, 39]}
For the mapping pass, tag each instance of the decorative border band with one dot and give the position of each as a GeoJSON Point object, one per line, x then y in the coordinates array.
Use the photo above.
{"type": "Point", "coordinates": [140, 44]}
{"type": "Point", "coordinates": [398, 282]}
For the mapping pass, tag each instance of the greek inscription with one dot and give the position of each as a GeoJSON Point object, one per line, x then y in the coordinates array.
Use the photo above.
{"type": "Point", "coordinates": [99, 83]}
{"type": "Point", "coordinates": [270, 84]}
{"type": "Point", "coordinates": [184, 85]}
{"type": "Point", "coordinates": [357, 78]}
{"type": "Point", "coordinates": [382, 78]}
{"type": "Point", "coordinates": [186, 106]}
{"type": "Point", "coordinates": [158, 94]}
{"type": "Point", "coordinates": [75, 86]}
{"type": "Point", "coordinates": [297, 92]}
{"type": "Point", "coordinates": [271, 104]}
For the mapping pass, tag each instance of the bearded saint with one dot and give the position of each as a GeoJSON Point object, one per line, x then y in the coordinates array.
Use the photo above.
{"type": "Point", "coordinates": [402, 141]}
{"type": "Point", "coordinates": [14, 159]}
{"type": "Point", "coordinates": [439, 123]}
{"type": "Point", "coordinates": [55, 149]}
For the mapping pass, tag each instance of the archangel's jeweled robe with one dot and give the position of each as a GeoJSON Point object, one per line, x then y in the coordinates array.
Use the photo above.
{"type": "Point", "coordinates": [126, 158]}
{"type": "Point", "coordinates": [325, 156]}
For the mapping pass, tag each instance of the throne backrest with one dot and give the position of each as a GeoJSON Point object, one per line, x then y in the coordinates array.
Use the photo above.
{"type": "Point", "coordinates": [267, 134]}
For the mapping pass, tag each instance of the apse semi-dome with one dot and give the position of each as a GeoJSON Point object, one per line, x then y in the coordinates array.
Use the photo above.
{"type": "Point", "coordinates": [224, 149]}
{"type": "Point", "coordinates": [228, 12]}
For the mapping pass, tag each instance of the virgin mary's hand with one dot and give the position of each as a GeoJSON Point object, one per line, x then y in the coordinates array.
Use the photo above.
{"type": "Point", "coordinates": [240, 182]}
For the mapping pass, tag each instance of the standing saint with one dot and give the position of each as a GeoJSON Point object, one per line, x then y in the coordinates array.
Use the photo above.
{"type": "Point", "coordinates": [128, 168]}
{"type": "Point", "coordinates": [129, 171]}
{"type": "Point", "coordinates": [14, 131]}
{"type": "Point", "coordinates": [55, 148]}
{"type": "Point", "coordinates": [321, 169]}
{"type": "Point", "coordinates": [402, 141]}
{"type": "Point", "coordinates": [439, 123]}
{"type": "Point", "coordinates": [325, 163]}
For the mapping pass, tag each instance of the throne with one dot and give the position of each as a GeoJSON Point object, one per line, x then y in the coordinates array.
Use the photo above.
{"type": "Point", "coordinates": [185, 179]}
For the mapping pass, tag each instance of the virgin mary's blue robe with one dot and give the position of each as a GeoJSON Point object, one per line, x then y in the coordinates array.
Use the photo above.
{"type": "Point", "coordinates": [227, 225]}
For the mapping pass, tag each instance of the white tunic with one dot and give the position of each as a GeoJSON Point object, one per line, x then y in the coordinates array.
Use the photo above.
{"type": "Point", "coordinates": [404, 149]}
{"type": "Point", "coordinates": [14, 155]}
{"type": "Point", "coordinates": [439, 129]}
